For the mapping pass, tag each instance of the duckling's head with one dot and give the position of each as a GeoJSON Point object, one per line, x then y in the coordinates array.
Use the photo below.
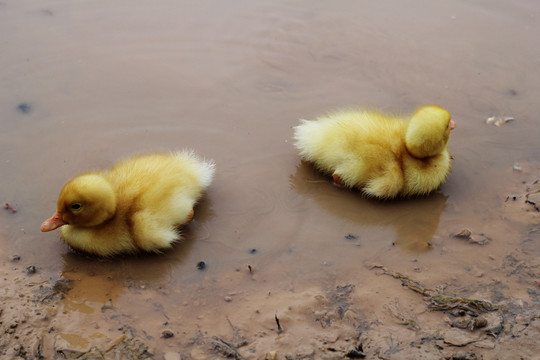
{"type": "Point", "coordinates": [428, 131]}
{"type": "Point", "coordinates": [86, 200]}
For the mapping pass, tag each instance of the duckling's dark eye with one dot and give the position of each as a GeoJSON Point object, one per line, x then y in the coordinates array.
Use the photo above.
{"type": "Point", "coordinates": [76, 206]}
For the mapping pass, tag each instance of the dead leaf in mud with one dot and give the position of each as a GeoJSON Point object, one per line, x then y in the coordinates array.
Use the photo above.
{"type": "Point", "coordinates": [473, 238]}
{"type": "Point", "coordinates": [499, 120]}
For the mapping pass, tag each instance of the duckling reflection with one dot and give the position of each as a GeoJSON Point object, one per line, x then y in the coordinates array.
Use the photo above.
{"type": "Point", "coordinates": [414, 220]}
{"type": "Point", "coordinates": [95, 283]}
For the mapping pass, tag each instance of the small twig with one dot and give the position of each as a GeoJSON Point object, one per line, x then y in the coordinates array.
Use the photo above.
{"type": "Point", "coordinates": [230, 323]}
{"type": "Point", "coordinates": [10, 208]}
{"type": "Point", "coordinates": [279, 328]}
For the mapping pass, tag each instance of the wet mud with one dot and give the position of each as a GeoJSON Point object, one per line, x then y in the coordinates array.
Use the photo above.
{"type": "Point", "coordinates": [278, 263]}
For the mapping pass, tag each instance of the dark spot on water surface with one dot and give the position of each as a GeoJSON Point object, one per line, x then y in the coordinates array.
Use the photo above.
{"type": "Point", "coordinates": [25, 108]}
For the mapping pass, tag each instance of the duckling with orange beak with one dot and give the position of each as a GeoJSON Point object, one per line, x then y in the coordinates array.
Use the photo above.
{"type": "Point", "coordinates": [137, 205]}
{"type": "Point", "coordinates": [383, 155]}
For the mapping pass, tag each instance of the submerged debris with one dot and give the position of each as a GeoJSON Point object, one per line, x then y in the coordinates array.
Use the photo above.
{"type": "Point", "coordinates": [25, 108]}
{"type": "Point", "coordinates": [10, 208]}
{"type": "Point", "coordinates": [351, 237]}
{"type": "Point", "coordinates": [499, 120]}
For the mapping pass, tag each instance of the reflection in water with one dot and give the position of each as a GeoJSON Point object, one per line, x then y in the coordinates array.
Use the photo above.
{"type": "Point", "coordinates": [414, 220]}
{"type": "Point", "coordinates": [97, 283]}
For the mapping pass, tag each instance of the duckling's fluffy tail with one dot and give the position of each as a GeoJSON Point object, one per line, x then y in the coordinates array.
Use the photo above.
{"type": "Point", "coordinates": [205, 169]}
{"type": "Point", "coordinates": [306, 136]}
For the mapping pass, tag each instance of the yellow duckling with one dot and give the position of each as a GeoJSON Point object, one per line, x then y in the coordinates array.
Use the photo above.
{"type": "Point", "coordinates": [386, 156]}
{"type": "Point", "coordinates": [137, 205]}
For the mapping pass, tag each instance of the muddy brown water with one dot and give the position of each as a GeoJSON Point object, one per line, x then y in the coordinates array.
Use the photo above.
{"type": "Point", "coordinates": [87, 83]}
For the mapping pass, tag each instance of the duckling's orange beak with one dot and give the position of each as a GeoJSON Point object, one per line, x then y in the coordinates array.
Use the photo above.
{"type": "Point", "coordinates": [452, 124]}
{"type": "Point", "coordinates": [53, 223]}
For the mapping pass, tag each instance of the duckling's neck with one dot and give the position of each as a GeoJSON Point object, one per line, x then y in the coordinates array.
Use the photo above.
{"type": "Point", "coordinates": [423, 142]}
{"type": "Point", "coordinates": [428, 131]}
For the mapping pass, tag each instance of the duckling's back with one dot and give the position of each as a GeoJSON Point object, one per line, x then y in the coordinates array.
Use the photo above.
{"type": "Point", "coordinates": [156, 176]}
{"type": "Point", "coordinates": [334, 139]}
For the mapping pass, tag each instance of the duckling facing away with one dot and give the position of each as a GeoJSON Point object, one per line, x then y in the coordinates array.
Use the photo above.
{"type": "Point", "coordinates": [137, 205]}
{"type": "Point", "coordinates": [386, 156]}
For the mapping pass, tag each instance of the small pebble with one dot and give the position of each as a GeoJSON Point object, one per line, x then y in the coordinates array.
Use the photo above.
{"type": "Point", "coordinates": [166, 334]}
{"type": "Point", "coordinates": [15, 257]}
{"type": "Point", "coordinates": [351, 237]}
{"type": "Point", "coordinates": [355, 354]}
{"type": "Point", "coordinates": [30, 269]}
{"type": "Point", "coordinates": [253, 251]}
{"type": "Point", "coordinates": [201, 265]}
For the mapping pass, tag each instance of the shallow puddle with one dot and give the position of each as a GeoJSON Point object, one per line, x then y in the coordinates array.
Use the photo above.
{"type": "Point", "coordinates": [87, 83]}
